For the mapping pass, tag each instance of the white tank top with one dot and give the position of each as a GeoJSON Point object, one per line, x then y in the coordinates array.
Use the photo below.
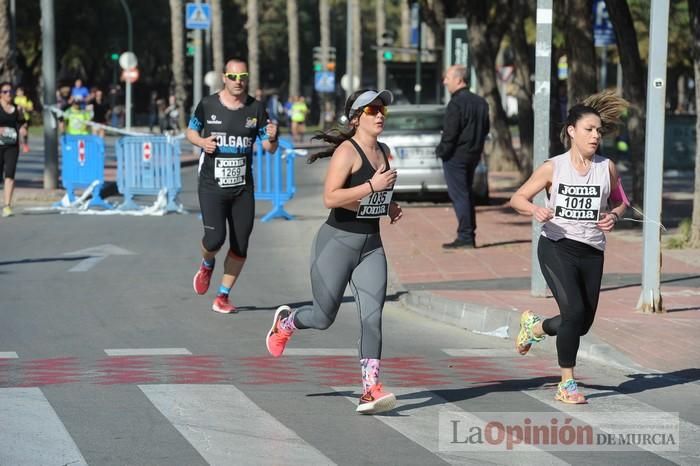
{"type": "Point", "coordinates": [578, 201]}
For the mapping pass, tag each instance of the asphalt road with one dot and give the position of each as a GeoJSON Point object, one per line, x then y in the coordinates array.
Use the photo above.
{"type": "Point", "coordinates": [107, 357]}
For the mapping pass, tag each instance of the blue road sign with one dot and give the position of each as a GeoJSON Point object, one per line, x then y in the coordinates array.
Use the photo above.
{"type": "Point", "coordinates": [603, 32]}
{"type": "Point", "coordinates": [197, 16]}
{"type": "Point", "coordinates": [324, 81]}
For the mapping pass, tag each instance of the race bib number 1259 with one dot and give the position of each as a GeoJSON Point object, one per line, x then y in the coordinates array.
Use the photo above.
{"type": "Point", "coordinates": [578, 202]}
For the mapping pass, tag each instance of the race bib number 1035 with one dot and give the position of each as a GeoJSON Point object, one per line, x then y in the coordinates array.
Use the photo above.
{"type": "Point", "coordinates": [375, 205]}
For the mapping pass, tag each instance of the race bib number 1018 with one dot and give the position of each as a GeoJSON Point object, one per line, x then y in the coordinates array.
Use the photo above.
{"type": "Point", "coordinates": [375, 205]}
{"type": "Point", "coordinates": [229, 172]}
{"type": "Point", "coordinates": [578, 202]}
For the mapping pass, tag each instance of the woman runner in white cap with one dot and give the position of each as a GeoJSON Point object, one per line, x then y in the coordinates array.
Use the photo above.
{"type": "Point", "coordinates": [348, 247]}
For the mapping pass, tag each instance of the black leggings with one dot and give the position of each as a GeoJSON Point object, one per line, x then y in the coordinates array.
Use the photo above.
{"type": "Point", "coordinates": [573, 271]}
{"type": "Point", "coordinates": [220, 208]}
{"type": "Point", "coordinates": [8, 161]}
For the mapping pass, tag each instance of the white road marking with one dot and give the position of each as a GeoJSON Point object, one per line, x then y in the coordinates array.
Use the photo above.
{"type": "Point", "coordinates": [481, 352]}
{"type": "Point", "coordinates": [226, 427]}
{"type": "Point", "coordinates": [320, 352]}
{"type": "Point", "coordinates": [8, 355]}
{"type": "Point", "coordinates": [606, 401]}
{"type": "Point", "coordinates": [147, 351]}
{"type": "Point", "coordinates": [420, 425]}
{"type": "Point", "coordinates": [31, 431]}
{"type": "Point", "coordinates": [97, 254]}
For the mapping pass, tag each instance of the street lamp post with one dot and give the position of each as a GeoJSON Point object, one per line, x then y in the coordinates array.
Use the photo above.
{"type": "Point", "coordinates": [130, 46]}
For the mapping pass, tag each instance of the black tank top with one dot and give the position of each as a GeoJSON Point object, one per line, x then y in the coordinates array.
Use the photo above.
{"type": "Point", "coordinates": [346, 220]}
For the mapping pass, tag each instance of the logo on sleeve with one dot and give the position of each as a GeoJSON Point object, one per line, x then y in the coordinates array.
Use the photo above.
{"type": "Point", "coordinates": [251, 122]}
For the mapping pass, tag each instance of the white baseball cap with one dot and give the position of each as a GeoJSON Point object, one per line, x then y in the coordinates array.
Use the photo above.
{"type": "Point", "coordinates": [368, 96]}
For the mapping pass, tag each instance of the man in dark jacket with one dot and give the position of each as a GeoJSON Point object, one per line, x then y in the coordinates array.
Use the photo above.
{"type": "Point", "coordinates": [464, 132]}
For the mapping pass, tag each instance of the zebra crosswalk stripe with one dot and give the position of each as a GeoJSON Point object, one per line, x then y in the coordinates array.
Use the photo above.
{"type": "Point", "coordinates": [609, 401]}
{"type": "Point", "coordinates": [416, 417]}
{"type": "Point", "coordinates": [226, 427]}
{"type": "Point", "coordinates": [32, 432]}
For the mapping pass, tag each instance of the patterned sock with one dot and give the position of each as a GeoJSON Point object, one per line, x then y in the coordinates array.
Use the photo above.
{"type": "Point", "coordinates": [288, 323]}
{"type": "Point", "coordinates": [208, 264]}
{"type": "Point", "coordinates": [224, 290]}
{"type": "Point", "coordinates": [370, 373]}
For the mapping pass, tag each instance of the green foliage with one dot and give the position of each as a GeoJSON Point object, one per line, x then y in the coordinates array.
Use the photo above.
{"type": "Point", "coordinates": [682, 239]}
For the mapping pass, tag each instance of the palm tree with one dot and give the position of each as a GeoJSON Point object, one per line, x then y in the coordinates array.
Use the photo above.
{"type": "Point", "coordinates": [217, 40]}
{"type": "Point", "coordinates": [178, 43]}
{"type": "Point", "coordinates": [5, 52]}
{"type": "Point", "coordinates": [356, 41]}
{"type": "Point", "coordinates": [253, 49]}
{"type": "Point", "coordinates": [694, 9]}
{"type": "Point", "coordinates": [381, 29]}
{"type": "Point", "coordinates": [293, 37]}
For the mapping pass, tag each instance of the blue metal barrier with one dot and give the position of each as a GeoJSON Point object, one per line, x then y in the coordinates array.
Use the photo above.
{"type": "Point", "coordinates": [146, 165]}
{"type": "Point", "coordinates": [268, 176]}
{"type": "Point", "coordinates": [83, 162]}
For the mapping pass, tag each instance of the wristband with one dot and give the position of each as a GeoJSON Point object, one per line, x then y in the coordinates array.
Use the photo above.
{"type": "Point", "coordinates": [370, 185]}
{"type": "Point", "coordinates": [617, 217]}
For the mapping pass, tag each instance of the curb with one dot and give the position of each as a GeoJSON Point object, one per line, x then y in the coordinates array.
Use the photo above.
{"type": "Point", "coordinates": [505, 324]}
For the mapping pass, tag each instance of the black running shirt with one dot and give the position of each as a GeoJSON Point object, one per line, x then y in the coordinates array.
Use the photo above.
{"type": "Point", "coordinates": [9, 127]}
{"type": "Point", "coordinates": [228, 169]}
{"type": "Point", "coordinates": [348, 220]}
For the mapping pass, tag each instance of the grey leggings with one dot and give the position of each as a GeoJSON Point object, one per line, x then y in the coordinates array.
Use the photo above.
{"type": "Point", "coordinates": [337, 258]}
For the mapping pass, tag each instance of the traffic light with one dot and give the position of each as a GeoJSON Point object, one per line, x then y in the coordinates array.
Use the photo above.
{"type": "Point", "coordinates": [330, 66]}
{"type": "Point", "coordinates": [318, 62]}
{"type": "Point", "coordinates": [191, 43]}
{"type": "Point", "coordinates": [385, 43]}
{"type": "Point", "coordinates": [319, 65]}
{"type": "Point", "coordinates": [114, 56]}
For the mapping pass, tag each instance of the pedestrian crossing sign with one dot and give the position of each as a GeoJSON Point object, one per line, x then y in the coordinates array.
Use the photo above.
{"type": "Point", "coordinates": [197, 16]}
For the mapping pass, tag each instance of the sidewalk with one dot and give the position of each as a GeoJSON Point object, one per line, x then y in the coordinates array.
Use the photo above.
{"type": "Point", "coordinates": [485, 289]}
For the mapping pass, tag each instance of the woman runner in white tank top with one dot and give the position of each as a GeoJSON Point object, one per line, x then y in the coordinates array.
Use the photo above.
{"type": "Point", "coordinates": [583, 203]}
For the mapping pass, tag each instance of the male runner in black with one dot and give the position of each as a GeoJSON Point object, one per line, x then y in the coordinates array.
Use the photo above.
{"type": "Point", "coordinates": [225, 126]}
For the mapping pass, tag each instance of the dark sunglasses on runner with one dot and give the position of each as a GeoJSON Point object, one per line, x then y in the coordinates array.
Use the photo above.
{"type": "Point", "coordinates": [6, 91]}
{"type": "Point", "coordinates": [237, 76]}
{"type": "Point", "coordinates": [374, 109]}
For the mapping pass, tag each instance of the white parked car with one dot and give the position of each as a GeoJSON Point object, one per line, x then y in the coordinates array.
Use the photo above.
{"type": "Point", "coordinates": [412, 132]}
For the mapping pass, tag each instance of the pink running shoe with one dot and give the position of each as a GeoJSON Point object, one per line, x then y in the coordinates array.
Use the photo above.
{"type": "Point", "coordinates": [222, 305]}
{"type": "Point", "coordinates": [277, 337]}
{"type": "Point", "coordinates": [376, 400]}
{"type": "Point", "coordinates": [202, 279]}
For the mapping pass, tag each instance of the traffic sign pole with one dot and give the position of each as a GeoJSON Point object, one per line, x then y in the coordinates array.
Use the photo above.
{"type": "Point", "coordinates": [127, 61]}
{"type": "Point", "coordinates": [197, 17]}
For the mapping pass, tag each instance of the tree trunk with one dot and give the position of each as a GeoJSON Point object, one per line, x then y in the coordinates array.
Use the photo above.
{"type": "Point", "coordinates": [293, 37]}
{"type": "Point", "coordinates": [524, 86]}
{"type": "Point", "coordinates": [380, 15]}
{"type": "Point", "coordinates": [634, 80]}
{"type": "Point", "coordinates": [5, 52]}
{"type": "Point", "coordinates": [484, 33]}
{"type": "Point", "coordinates": [694, 10]}
{"type": "Point", "coordinates": [356, 41]}
{"type": "Point", "coordinates": [178, 44]}
{"type": "Point", "coordinates": [253, 49]}
{"type": "Point", "coordinates": [580, 52]}
{"type": "Point", "coordinates": [217, 42]}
